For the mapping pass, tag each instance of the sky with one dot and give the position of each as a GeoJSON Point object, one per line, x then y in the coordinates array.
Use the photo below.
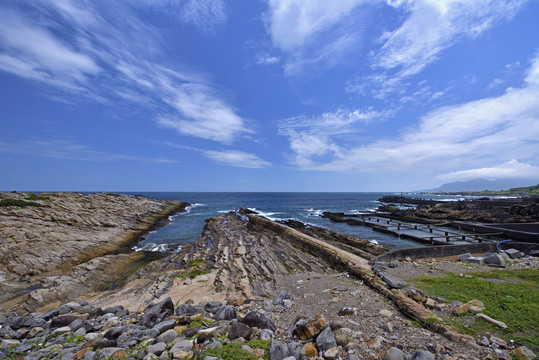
{"type": "Point", "coordinates": [267, 95]}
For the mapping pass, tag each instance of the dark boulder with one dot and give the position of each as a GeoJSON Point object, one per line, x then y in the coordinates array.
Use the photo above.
{"type": "Point", "coordinates": [254, 319]}
{"type": "Point", "coordinates": [157, 313]}
{"type": "Point", "coordinates": [240, 330]}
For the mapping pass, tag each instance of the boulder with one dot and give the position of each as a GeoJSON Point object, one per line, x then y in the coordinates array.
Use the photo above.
{"type": "Point", "coordinates": [495, 259]}
{"type": "Point", "coordinates": [422, 355]}
{"type": "Point", "coordinates": [62, 320]}
{"type": "Point", "coordinates": [471, 307]}
{"type": "Point", "coordinates": [254, 319]}
{"type": "Point", "coordinates": [394, 354]}
{"type": "Point", "coordinates": [189, 310]}
{"type": "Point", "coordinates": [156, 349]}
{"type": "Point", "coordinates": [513, 253]}
{"type": "Point", "coordinates": [278, 351]}
{"type": "Point", "coordinates": [156, 313]}
{"type": "Point", "coordinates": [15, 322]}
{"type": "Point", "coordinates": [282, 295]}
{"type": "Point", "coordinates": [393, 281]}
{"type": "Point", "coordinates": [309, 329]}
{"type": "Point", "coordinates": [164, 326]}
{"type": "Point", "coordinates": [226, 312]}
{"type": "Point", "coordinates": [325, 340]}
{"type": "Point", "coordinates": [240, 330]}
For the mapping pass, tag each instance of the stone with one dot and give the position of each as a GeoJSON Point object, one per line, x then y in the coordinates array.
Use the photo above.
{"type": "Point", "coordinates": [50, 314]}
{"type": "Point", "coordinates": [90, 355]}
{"type": "Point", "coordinates": [513, 253]}
{"type": "Point", "coordinates": [498, 341]}
{"type": "Point", "coordinates": [483, 341]}
{"type": "Point", "coordinates": [17, 322]}
{"type": "Point", "coordinates": [8, 344]}
{"type": "Point", "coordinates": [393, 281]}
{"type": "Point", "coordinates": [156, 313]}
{"type": "Point", "coordinates": [294, 349]}
{"type": "Point", "coordinates": [168, 336]}
{"type": "Point", "coordinates": [394, 354]}
{"type": "Point", "coordinates": [267, 334]}
{"type": "Point", "coordinates": [309, 329]}
{"type": "Point", "coordinates": [488, 319]}
{"type": "Point", "coordinates": [388, 314]}
{"type": "Point", "coordinates": [524, 353]}
{"type": "Point", "coordinates": [182, 346]}
{"type": "Point", "coordinates": [164, 326]}
{"type": "Point", "coordinates": [113, 353]}
{"type": "Point", "coordinates": [347, 311]}
{"type": "Point", "coordinates": [213, 306]}
{"type": "Point", "coordinates": [280, 297]}
{"type": "Point", "coordinates": [375, 343]}
{"type": "Point", "coordinates": [422, 355]}
{"type": "Point", "coordinates": [325, 340]}
{"type": "Point", "coordinates": [151, 357]}
{"type": "Point", "coordinates": [254, 319]}
{"type": "Point", "coordinates": [33, 332]}
{"type": "Point", "coordinates": [278, 351]}
{"type": "Point", "coordinates": [61, 330]}
{"type": "Point", "coordinates": [495, 259]}
{"type": "Point", "coordinates": [156, 349]}
{"type": "Point", "coordinates": [114, 333]}
{"type": "Point", "coordinates": [472, 307]}
{"type": "Point", "coordinates": [331, 354]}
{"type": "Point", "coordinates": [464, 257]}
{"type": "Point", "coordinates": [240, 330]}
{"type": "Point", "coordinates": [226, 312]}
{"type": "Point", "coordinates": [62, 320]}
{"type": "Point", "coordinates": [309, 351]}
{"type": "Point", "coordinates": [475, 260]}
{"type": "Point", "coordinates": [287, 303]}
{"type": "Point", "coordinates": [187, 309]}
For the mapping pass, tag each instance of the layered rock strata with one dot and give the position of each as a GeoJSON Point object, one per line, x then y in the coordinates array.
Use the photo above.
{"type": "Point", "coordinates": [71, 242]}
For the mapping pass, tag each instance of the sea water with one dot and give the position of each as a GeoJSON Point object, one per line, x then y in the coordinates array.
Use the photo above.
{"type": "Point", "coordinates": [305, 207]}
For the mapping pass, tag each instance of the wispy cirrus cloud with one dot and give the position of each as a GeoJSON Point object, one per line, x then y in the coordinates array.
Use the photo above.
{"type": "Point", "coordinates": [237, 158]}
{"type": "Point", "coordinates": [470, 135]}
{"type": "Point", "coordinates": [320, 31]}
{"type": "Point", "coordinates": [101, 60]}
{"type": "Point", "coordinates": [68, 149]}
{"type": "Point", "coordinates": [430, 28]}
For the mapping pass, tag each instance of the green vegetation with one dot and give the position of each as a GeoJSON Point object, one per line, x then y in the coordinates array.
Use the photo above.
{"type": "Point", "coordinates": [234, 351]}
{"type": "Point", "coordinates": [18, 203]}
{"type": "Point", "coordinates": [200, 322]}
{"type": "Point", "coordinates": [195, 268]}
{"type": "Point", "coordinates": [513, 300]}
{"type": "Point", "coordinates": [33, 196]}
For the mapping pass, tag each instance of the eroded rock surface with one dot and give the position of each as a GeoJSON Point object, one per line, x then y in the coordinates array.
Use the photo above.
{"type": "Point", "coordinates": [63, 238]}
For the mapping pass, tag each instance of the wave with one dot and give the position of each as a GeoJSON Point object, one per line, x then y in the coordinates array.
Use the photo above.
{"type": "Point", "coordinates": [153, 247]}
{"type": "Point", "coordinates": [315, 212]}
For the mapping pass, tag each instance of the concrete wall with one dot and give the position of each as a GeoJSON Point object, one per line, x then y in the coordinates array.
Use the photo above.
{"type": "Point", "coordinates": [450, 250]}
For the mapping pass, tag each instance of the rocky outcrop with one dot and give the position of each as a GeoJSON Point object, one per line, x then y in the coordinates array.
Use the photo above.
{"type": "Point", "coordinates": [69, 243]}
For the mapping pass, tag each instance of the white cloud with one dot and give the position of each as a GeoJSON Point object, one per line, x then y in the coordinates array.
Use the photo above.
{"type": "Point", "coordinates": [509, 169]}
{"type": "Point", "coordinates": [430, 28]}
{"type": "Point", "coordinates": [450, 138]}
{"type": "Point", "coordinates": [237, 158]}
{"type": "Point", "coordinates": [313, 33]}
{"type": "Point", "coordinates": [100, 60]}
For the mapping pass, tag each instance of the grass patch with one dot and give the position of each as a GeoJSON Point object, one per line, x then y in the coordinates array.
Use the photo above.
{"type": "Point", "coordinates": [233, 351]}
{"type": "Point", "coordinates": [33, 196]}
{"type": "Point", "coordinates": [515, 303]}
{"type": "Point", "coordinates": [18, 203]}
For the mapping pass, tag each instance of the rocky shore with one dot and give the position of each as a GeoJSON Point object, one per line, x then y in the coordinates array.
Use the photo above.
{"type": "Point", "coordinates": [63, 245]}
{"type": "Point", "coordinates": [249, 288]}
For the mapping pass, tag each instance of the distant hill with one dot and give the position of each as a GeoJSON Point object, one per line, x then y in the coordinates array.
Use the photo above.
{"type": "Point", "coordinates": [482, 185]}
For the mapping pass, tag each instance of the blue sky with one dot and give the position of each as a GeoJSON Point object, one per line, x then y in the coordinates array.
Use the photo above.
{"type": "Point", "coordinates": [275, 95]}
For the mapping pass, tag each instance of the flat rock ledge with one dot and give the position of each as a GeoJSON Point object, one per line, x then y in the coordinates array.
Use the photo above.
{"type": "Point", "coordinates": [65, 244]}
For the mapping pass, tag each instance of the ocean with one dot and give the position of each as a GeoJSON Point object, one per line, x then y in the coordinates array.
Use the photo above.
{"type": "Point", "coordinates": [306, 207]}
